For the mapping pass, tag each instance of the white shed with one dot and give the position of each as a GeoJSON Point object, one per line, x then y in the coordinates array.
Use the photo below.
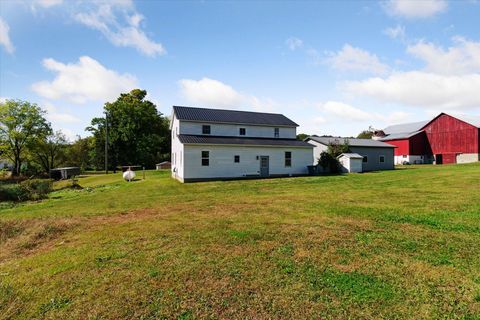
{"type": "Point", "coordinates": [350, 162]}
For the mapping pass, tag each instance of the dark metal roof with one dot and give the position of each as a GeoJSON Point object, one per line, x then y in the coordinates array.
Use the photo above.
{"type": "Point", "coordinates": [351, 142]}
{"type": "Point", "coordinates": [232, 116]}
{"type": "Point", "coordinates": [199, 139]}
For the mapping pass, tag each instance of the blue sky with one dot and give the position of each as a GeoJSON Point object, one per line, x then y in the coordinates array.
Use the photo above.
{"type": "Point", "coordinates": [334, 67]}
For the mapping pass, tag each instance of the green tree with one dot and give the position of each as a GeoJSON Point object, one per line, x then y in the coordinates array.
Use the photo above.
{"type": "Point", "coordinates": [137, 132]}
{"type": "Point", "coordinates": [335, 148]}
{"type": "Point", "coordinates": [50, 151]}
{"type": "Point", "coordinates": [21, 124]}
{"type": "Point", "coordinates": [365, 134]}
{"type": "Point", "coordinates": [302, 136]}
{"type": "Point", "coordinates": [81, 153]}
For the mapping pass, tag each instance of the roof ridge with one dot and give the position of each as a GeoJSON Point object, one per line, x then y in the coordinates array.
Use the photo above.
{"type": "Point", "coordinates": [230, 110]}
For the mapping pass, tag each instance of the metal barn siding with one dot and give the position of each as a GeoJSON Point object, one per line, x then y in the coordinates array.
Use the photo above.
{"type": "Point", "coordinates": [449, 137]}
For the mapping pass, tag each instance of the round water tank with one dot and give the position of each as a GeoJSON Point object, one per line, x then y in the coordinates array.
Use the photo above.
{"type": "Point", "coordinates": [129, 175]}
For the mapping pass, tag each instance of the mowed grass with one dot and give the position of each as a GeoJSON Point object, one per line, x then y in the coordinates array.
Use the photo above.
{"type": "Point", "coordinates": [401, 244]}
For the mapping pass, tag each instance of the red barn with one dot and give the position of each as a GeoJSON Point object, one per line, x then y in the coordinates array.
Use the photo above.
{"type": "Point", "coordinates": [444, 139]}
{"type": "Point", "coordinates": [453, 139]}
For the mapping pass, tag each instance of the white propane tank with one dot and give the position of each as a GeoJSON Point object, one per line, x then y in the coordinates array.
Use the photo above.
{"type": "Point", "coordinates": [129, 175]}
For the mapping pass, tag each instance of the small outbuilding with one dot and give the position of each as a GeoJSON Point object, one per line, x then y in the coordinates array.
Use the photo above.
{"type": "Point", "coordinates": [376, 155]}
{"type": "Point", "coordinates": [350, 162]}
{"type": "Point", "coordinates": [64, 173]}
{"type": "Point", "coordinates": [164, 165]}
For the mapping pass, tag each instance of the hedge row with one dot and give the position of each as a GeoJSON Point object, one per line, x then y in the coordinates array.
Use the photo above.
{"type": "Point", "coordinates": [33, 189]}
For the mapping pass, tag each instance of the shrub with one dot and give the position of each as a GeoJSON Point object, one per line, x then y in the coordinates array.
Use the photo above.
{"type": "Point", "coordinates": [329, 162]}
{"type": "Point", "coordinates": [33, 189]}
{"type": "Point", "coordinates": [13, 192]}
{"type": "Point", "coordinates": [37, 188]}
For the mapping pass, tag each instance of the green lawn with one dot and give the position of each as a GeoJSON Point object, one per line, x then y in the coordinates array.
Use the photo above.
{"type": "Point", "coordinates": [396, 244]}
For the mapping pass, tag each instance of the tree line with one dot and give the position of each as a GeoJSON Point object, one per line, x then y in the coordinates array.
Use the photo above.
{"type": "Point", "coordinates": [135, 132]}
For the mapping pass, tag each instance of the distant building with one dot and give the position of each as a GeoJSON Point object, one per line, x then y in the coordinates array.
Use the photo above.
{"type": "Point", "coordinates": [6, 164]}
{"type": "Point", "coordinates": [376, 155]}
{"type": "Point", "coordinates": [164, 165]}
{"type": "Point", "coordinates": [444, 139]}
{"type": "Point", "coordinates": [211, 144]}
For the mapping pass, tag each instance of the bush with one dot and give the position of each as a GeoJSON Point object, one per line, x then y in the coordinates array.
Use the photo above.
{"type": "Point", "coordinates": [13, 192]}
{"type": "Point", "coordinates": [33, 189]}
{"type": "Point", "coordinates": [37, 188]}
{"type": "Point", "coordinates": [329, 163]}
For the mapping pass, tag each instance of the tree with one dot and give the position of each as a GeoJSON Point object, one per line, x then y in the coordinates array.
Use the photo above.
{"type": "Point", "coordinates": [21, 124]}
{"type": "Point", "coordinates": [302, 136]}
{"type": "Point", "coordinates": [335, 148]}
{"type": "Point", "coordinates": [81, 153]}
{"type": "Point", "coordinates": [328, 159]}
{"type": "Point", "coordinates": [365, 134]}
{"type": "Point", "coordinates": [137, 132]}
{"type": "Point", "coordinates": [49, 151]}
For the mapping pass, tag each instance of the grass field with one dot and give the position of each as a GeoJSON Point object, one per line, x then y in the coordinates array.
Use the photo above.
{"type": "Point", "coordinates": [401, 244]}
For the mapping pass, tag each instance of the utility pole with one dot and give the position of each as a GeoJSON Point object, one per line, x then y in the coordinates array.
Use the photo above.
{"type": "Point", "coordinates": [106, 143]}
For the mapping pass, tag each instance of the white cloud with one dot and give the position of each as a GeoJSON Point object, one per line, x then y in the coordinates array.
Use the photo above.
{"type": "Point", "coordinates": [83, 81]}
{"type": "Point", "coordinates": [418, 88]}
{"type": "Point", "coordinates": [348, 112]}
{"type": "Point", "coordinates": [449, 80]}
{"type": "Point", "coordinates": [355, 59]}
{"type": "Point", "coordinates": [415, 8]}
{"type": "Point", "coordinates": [294, 43]}
{"type": "Point", "coordinates": [120, 23]}
{"type": "Point", "coordinates": [5, 37]}
{"type": "Point", "coordinates": [55, 116]}
{"type": "Point", "coordinates": [47, 3]}
{"type": "Point", "coordinates": [464, 58]}
{"type": "Point", "coordinates": [215, 94]}
{"type": "Point", "coordinates": [395, 33]}
{"type": "Point", "coordinates": [69, 134]}
{"type": "Point", "coordinates": [345, 111]}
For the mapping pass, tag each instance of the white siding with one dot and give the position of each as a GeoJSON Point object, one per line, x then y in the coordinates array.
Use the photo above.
{"type": "Point", "coordinates": [218, 129]}
{"type": "Point", "coordinates": [177, 156]}
{"type": "Point", "coordinates": [222, 161]}
{"type": "Point", "coordinates": [350, 164]}
{"type": "Point", "coordinates": [317, 150]}
{"type": "Point", "coordinates": [410, 159]}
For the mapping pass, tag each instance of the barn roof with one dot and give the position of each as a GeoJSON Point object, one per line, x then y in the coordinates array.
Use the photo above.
{"type": "Point", "coordinates": [232, 116]}
{"type": "Point", "coordinates": [405, 127]}
{"type": "Point", "coordinates": [396, 136]}
{"type": "Point", "coordinates": [221, 140]}
{"type": "Point", "coordinates": [352, 142]}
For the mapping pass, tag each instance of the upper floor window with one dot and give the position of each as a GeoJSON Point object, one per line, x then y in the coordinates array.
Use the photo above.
{"type": "Point", "coordinates": [205, 158]}
{"type": "Point", "coordinates": [276, 133]}
{"type": "Point", "coordinates": [288, 158]}
{"type": "Point", "coordinates": [381, 159]}
{"type": "Point", "coordinates": [242, 131]}
{"type": "Point", "coordinates": [206, 129]}
{"type": "Point", "coordinates": [365, 159]}
{"type": "Point", "coordinates": [236, 159]}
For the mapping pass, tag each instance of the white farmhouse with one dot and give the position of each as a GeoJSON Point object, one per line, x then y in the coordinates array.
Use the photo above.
{"type": "Point", "coordinates": [211, 144]}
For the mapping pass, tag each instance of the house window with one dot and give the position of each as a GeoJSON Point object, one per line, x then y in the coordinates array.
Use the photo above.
{"type": "Point", "coordinates": [205, 158]}
{"type": "Point", "coordinates": [236, 159]}
{"type": "Point", "coordinates": [206, 129]}
{"type": "Point", "coordinates": [404, 156]}
{"type": "Point", "coordinates": [243, 131]}
{"type": "Point", "coordinates": [276, 133]}
{"type": "Point", "coordinates": [288, 159]}
{"type": "Point", "coordinates": [365, 159]}
{"type": "Point", "coordinates": [381, 159]}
